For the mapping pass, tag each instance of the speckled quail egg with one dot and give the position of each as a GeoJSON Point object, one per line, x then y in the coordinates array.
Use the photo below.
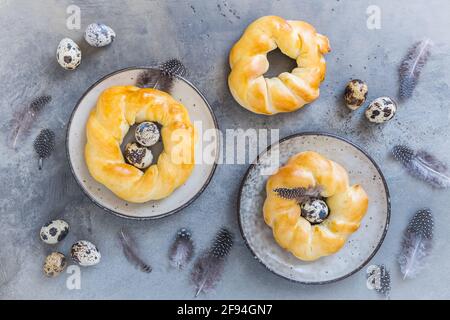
{"type": "Point", "coordinates": [138, 156]}
{"type": "Point", "coordinates": [147, 134]}
{"type": "Point", "coordinates": [314, 210]}
{"type": "Point", "coordinates": [68, 54]}
{"type": "Point", "coordinates": [381, 110]}
{"type": "Point", "coordinates": [85, 253]}
{"type": "Point", "coordinates": [99, 35]}
{"type": "Point", "coordinates": [54, 264]}
{"type": "Point", "coordinates": [54, 231]}
{"type": "Point", "coordinates": [355, 94]}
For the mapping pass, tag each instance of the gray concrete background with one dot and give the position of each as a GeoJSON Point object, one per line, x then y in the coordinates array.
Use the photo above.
{"type": "Point", "coordinates": [200, 33]}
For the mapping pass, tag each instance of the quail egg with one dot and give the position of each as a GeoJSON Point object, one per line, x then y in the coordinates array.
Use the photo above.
{"type": "Point", "coordinates": [68, 54]}
{"type": "Point", "coordinates": [147, 134]}
{"type": "Point", "coordinates": [85, 253]}
{"type": "Point", "coordinates": [54, 264]}
{"type": "Point", "coordinates": [314, 210]}
{"type": "Point", "coordinates": [54, 231]}
{"type": "Point", "coordinates": [99, 35]}
{"type": "Point", "coordinates": [355, 94]}
{"type": "Point", "coordinates": [381, 110]}
{"type": "Point", "coordinates": [138, 156]}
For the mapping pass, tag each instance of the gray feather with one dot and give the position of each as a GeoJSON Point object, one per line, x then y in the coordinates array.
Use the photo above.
{"type": "Point", "coordinates": [417, 244]}
{"type": "Point", "coordinates": [130, 251]}
{"type": "Point", "coordinates": [423, 165]}
{"type": "Point", "coordinates": [163, 78]}
{"type": "Point", "coordinates": [299, 194]}
{"type": "Point", "coordinates": [148, 78]}
{"type": "Point", "coordinates": [182, 250]}
{"type": "Point", "coordinates": [208, 269]}
{"type": "Point", "coordinates": [411, 67]}
{"type": "Point", "coordinates": [24, 118]}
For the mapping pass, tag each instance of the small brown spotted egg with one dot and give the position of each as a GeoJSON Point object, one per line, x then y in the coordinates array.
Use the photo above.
{"type": "Point", "coordinates": [68, 54]}
{"type": "Point", "coordinates": [355, 94]}
{"type": "Point", "coordinates": [54, 264]}
{"type": "Point", "coordinates": [138, 156]}
{"type": "Point", "coordinates": [381, 110]}
{"type": "Point", "coordinates": [85, 253]}
{"type": "Point", "coordinates": [54, 231]}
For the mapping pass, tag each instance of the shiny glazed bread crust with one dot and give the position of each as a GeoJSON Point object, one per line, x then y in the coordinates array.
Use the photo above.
{"type": "Point", "coordinates": [117, 109]}
{"type": "Point", "coordinates": [347, 206]}
{"type": "Point", "coordinates": [289, 91]}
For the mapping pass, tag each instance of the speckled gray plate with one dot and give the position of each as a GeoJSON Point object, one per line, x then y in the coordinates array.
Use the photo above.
{"type": "Point", "coordinates": [201, 115]}
{"type": "Point", "coordinates": [361, 246]}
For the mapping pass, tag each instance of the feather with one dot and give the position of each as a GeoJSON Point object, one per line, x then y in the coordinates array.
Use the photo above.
{"type": "Point", "coordinates": [23, 119]}
{"type": "Point", "coordinates": [173, 67]}
{"type": "Point", "coordinates": [44, 145]}
{"type": "Point", "coordinates": [208, 269]}
{"type": "Point", "coordinates": [423, 165]}
{"type": "Point", "coordinates": [131, 252]}
{"type": "Point", "coordinates": [381, 280]}
{"type": "Point", "coordinates": [412, 65]}
{"type": "Point", "coordinates": [182, 250]}
{"type": "Point", "coordinates": [299, 194]}
{"type": "Point", "coordinates": [148, 78]}
{"type": "Point", "coordinates": [417, 244]}
{"type": "Point", "coordinates": [162, 78]}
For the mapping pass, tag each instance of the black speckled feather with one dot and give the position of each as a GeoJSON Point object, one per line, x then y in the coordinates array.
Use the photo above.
{"type": "Point", "coordinates": [44, 145]}
{"type": "Point", "coordinates": [182, 250]}
{"type": "Point", "coordinates": [130, 251]}
{"type": "Point", "coordinates": [411, 67]}
{"type": "Point", "coordinates": [423, 165]}
{"type": "Point", "coordinates": [208, 269]}
{"type": "Point", "coordinates": [417, 244]}
{"type": "Point", "coordinates": [161, 79]}
{"type": "Point", "coordinates": [24, 118]}
{"type": "Point", "coordinates": [299, 194]}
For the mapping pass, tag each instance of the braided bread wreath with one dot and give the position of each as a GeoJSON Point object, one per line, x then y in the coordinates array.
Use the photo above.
{"type": "Point", "coordinates": [289, 91]}
{"type": "Point", "coordinates": [347, 206]}
{"type": "Point", "coordinates": [117, 109]}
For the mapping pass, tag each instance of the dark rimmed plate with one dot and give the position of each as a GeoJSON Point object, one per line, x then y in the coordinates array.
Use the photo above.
{"type": "Point", "coordinates": [201, 115]}
{"type": "Point", "coordinates": [361, 245]}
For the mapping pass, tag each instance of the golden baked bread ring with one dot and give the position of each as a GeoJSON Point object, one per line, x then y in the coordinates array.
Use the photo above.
{"type": "Point", "coordinates": [289, 91]}
{"type": "Point", "coordinates": [117, 109]}
{"type": "Point", "coordinates": [347, 206]}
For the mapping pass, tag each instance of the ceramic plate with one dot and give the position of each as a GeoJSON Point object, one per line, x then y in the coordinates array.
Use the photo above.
{"type": "Point", "coordinates": [361, 246]}
{"type": "Point", "coordinates": [201, 115]}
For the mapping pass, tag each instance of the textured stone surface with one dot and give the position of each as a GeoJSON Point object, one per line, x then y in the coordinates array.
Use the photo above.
{"type": "Point", "coordinates": [200, 33]}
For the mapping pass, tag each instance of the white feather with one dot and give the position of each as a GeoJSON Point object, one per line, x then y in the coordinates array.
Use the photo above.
{"type": "Point", "coordinates": [412, 66]}
{"type": "Point", "coordinates": [413, 258]}
{"type": "Point", "coordinates": [417, 244]}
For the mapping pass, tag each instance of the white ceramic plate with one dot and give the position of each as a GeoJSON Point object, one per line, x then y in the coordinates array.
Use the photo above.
{"type": "Point", "coordinates": [201, 115]}
{"type": "Point", "coordinates": [361, 245]}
